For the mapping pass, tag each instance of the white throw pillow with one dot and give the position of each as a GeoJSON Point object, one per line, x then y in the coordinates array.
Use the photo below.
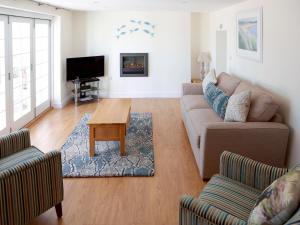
{"type": "Point", "coordinates": [238, 107]}
{"type": "Point", "coordinates": [209, 78]}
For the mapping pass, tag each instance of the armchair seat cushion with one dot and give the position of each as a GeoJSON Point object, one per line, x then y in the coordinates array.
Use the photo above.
{"type": "Point", "coordinates": [232, 197]}
{"type": "Point", "coordinates": [20, 157]}
{"type": "Point", "coordinates": [196, 212]}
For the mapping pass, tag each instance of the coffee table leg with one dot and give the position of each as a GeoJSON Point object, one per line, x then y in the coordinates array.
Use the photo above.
{"type": "Point", "coordinates": [92, 141]}
{"type": "Point", "coordinates": [122, 140]}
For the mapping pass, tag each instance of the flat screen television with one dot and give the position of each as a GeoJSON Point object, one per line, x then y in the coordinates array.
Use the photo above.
{"type": "Point", "coordinates": [85, 67]}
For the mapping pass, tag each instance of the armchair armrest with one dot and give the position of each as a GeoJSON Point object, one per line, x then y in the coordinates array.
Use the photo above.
{"type": "Point", "coordinates": [35, 185]}
{"type": "Point", "coordinates": [295, 219]}
{"type": "Point", "coordinates": [192, 89]}
{"type": "Point", "coordinates": [14, 142]}
{"type": "Point", "coordinates": [262, 141]}
{"type": "Point", "coordinates": [193, 211]}
{"type": "Point", "coordinates": [248, 171]}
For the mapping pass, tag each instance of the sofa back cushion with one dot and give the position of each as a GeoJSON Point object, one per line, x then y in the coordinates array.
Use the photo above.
{"type": "Point", "coordinates": [263, 107]}
{"type": "Point", "coordinates": [228, 83]}
{"type": "Point", "coordinates": [217, 99]}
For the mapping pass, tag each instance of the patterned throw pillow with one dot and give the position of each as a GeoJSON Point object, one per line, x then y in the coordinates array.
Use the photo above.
{"type": "Point", "coordinates": [209, 78]}
{"type": "Point", "coordinates": [278, 202]}
{"type": "Point", "coordinates": [217, 99]}
{"type": "Point", "coordinates": [211, 93]}
{"type": "Point", "coordinates": [238, 107]}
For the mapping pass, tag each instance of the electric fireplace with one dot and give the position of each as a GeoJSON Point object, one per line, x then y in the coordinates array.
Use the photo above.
{"type": "Point", "coordinates": [134, 64]}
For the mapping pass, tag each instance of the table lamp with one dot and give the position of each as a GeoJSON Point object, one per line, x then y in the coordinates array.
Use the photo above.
{"type": "Point", "coordinates": [204, 59]}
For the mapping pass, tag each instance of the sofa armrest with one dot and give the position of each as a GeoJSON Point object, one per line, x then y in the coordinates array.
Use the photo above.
{"type": "Point", "coordinates": [193, 211]}
{"type": "Point", "coordinates": [247, 171]}
{"type": "Point", "coordinates": [14, 142]}
{"type": "Point", "coordinates": [192, 89]}
{"type": "Point", "coordinates": [31, 188]}
{"type": "Point", "coordinates": [261, 141]}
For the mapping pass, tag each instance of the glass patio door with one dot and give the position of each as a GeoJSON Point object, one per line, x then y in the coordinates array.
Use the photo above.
{"type": "Point", "coordinates": [21, 74]}
{"type": "Point", "coordinates": [25, 50]}
{"type": "Point", "coordinates": [4, 90]}
{"type": "Point", "coordinates": [42, 65]}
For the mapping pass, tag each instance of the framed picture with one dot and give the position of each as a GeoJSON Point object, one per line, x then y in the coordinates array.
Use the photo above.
{"type": "Point", "coordinates": [249, 34]}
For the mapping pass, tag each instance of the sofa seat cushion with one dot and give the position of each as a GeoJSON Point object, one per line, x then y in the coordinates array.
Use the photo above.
{"type": "Point", "coordinates": [228, 83]}
{"type": "Point", "coordinates": [20, 157]}
{"type": "Point", "coordinates": [230, 196]}
{"type": "Point", "coordinates": [262, 107]}
{"type": "Point", "coordinates": [198, 117]}
{"type": "Point", "coordinates": [194, 102]}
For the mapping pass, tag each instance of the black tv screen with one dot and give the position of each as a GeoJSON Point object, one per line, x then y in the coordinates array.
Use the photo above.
{"type": "Point", "coordinates": [85, 67]}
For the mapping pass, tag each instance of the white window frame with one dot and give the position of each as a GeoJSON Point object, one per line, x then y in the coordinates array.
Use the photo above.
{"type": "Point", "coordinates": [7, 89]}
{"type": "Point", "coordinates": [44, 106]}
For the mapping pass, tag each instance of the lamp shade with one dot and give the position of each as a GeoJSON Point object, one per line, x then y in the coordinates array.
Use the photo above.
{"type": "Point", "coordinates": [204, 57]}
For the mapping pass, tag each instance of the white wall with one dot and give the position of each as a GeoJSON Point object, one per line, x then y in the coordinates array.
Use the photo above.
{"type": "Point", "coordinates": [199, 40]}
{"type": "Point", "coordinates": [280, 69]}
{"type": "Point", "coordinates": [94, 33]}
{"type": "Point", "coordinates": [62, 20]}
{"type": "Point", "coordinates": [195, 44]}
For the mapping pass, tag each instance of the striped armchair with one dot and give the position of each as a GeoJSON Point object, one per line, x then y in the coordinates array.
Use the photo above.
{"type": "Point", "coordinates": [229, 197]}
{"type": "Point", "coordinates": [30, 181]}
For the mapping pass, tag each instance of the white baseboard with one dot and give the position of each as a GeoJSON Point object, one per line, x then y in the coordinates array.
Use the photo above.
{"type": "Point", "coordinates": [144, 95]}
{"type": "Point", "coordinates": [62, 104]}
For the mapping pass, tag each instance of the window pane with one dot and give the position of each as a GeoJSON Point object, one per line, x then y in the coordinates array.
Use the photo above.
{"type": "Point", "coordinates": [21, 69]}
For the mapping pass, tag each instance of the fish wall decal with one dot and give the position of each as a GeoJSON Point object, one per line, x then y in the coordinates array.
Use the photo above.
{"type": "Point", "coordinates": [121, 27]}
{"type": "Point", "coordinates": [135, 26]}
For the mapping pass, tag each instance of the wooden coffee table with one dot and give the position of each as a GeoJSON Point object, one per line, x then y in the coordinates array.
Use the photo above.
{"type": "Point", "coordinates": [109, 123]}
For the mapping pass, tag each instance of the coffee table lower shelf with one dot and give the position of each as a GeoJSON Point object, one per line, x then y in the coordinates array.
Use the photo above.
{"type": "Point", "coordinates": [107, 132]}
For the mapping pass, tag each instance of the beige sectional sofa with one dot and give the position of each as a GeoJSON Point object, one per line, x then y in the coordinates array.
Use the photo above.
{"type": "Point", "coordinates": [263, 137]}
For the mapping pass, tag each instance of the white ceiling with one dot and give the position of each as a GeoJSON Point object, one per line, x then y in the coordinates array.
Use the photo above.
{"type": "Point", "coordinates": [178, 5]}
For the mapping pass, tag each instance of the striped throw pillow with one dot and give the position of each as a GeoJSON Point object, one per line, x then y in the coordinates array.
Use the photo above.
{"type": "Point", "coordinates": [217, 99]}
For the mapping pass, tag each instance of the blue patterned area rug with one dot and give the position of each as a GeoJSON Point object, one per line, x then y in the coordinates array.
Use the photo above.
{"type": "Point", "coordinates": [107, 162]}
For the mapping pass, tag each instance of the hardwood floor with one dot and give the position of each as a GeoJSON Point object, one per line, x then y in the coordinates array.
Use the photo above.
{"type": "Point", "coordinates": [125, 200]}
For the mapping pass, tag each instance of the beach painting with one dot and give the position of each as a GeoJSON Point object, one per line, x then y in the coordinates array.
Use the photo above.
{"type": "Point", "coordinates": [249, 34]}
